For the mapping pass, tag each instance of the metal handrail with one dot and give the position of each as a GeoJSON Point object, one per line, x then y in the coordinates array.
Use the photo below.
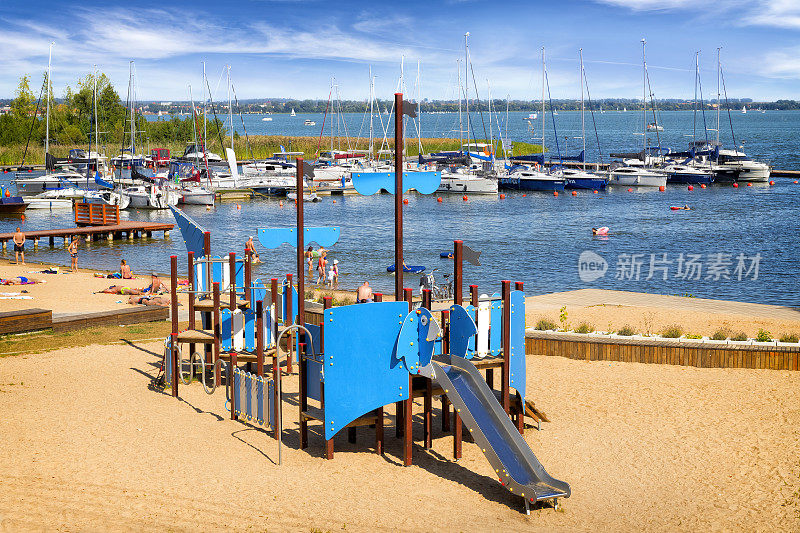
{"type": "Point", "coordinates": [278, 385]}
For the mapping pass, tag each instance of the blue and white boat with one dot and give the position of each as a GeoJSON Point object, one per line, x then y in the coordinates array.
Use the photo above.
{"type": "Point", "coordinates": [581, 179]}
{"type": "Point", "coordinates": [531, 180]}
{"type": "Point", "coordinates": [683, 174]}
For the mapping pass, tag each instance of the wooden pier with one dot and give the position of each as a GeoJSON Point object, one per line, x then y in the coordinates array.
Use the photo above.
{"type": "Point", "coordinates": [125, 229]}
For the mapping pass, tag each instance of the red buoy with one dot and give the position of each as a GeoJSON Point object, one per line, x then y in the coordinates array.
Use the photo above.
{"type": "Point", "coordinates": [662, 188]}
{"type": "Point", "coordinates": [749, 184]}
{"type": "Point", "coordinates": [735, 185]}
{"type": "Point", "coordinates": [464, 198]}
{"type": "Point", "coordinates": [439, 199]}
{"type": "Point", "coordinates": [691, 187]}
{"type": "Point", "coordinates": [524, 195]}
{"type": "Point", "coordinates": [795, 182]}
{"type": "Point", "coordinates": [772, 183]}
{"type": "Point", "coordinates": [702, 185]}
{"type": "Point", "coordinates": [502, 196]}
{"type": "Point", "coordinates": [280, 203]}
{"type": "Point", "coordinates": [8, 193]}
{"type": "Point", "coordinates": [334, 201]}
{"type": "Point", "coordinates": [555, 193]}
{"type": "Point", "coordinates": [630, 190]}
{"type": "Point", "coordinates": [405, 201]}
{"type": "Point", "coordinates": [595, 191]}
{"type": "Point", "coordinates": [574, 193]}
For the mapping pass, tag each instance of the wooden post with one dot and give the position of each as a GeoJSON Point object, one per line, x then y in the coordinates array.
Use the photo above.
{"type": "Point", "coordinates": [505, 380]}
{"type": "Point", "coordinates": [248, 276]}
{"type": "Point", "coordinates": [173, 291]}
{"type": "Point", "coordinates": [192, 324]}
{"type": "Point", "coordinates": [408, 404]}
{"type": "Point", "coordinates": [301, 288]}
{"type": "Point", "coordinates": [398, 197]}
{"type": "Point", "coordinates": [518, 285]}
{"type": "Point", "coordinates": [217, 329]}
{"type": "Point", "coordinates": [458, 273]}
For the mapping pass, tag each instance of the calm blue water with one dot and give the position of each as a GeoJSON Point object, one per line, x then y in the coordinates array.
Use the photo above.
{"type": "Point", "coordinates": [536, 239]}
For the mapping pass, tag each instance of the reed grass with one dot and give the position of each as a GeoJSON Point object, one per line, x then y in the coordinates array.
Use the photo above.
{"type": "Point", "coordinates": [256, 146]}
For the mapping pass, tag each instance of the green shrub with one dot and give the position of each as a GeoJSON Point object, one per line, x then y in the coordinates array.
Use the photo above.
{"type": "Point", "coordinates": [672, 332]}
{"type": "Point", "coordinates": [693, 336]}
{"type": "Point", "coordinates": [789, 337]}
{"type": "Point", "coordinates": [741, 336]}
{"type": "Point", "coordinates": [721, 334]}
{"type": "Point", "coordinates": [544, 324]}
{"type": "Point", "coordinates": [763, 335]}
{"type": "Point", "coordinates": [626, 331]}
{"type": "Point", "coordinates": [585, 327]}
{"type": "Point", "coordinates": [563, 317]}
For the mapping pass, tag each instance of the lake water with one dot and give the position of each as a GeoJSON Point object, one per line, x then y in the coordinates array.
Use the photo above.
{"type": "Point", "coordinates": [738, 244]}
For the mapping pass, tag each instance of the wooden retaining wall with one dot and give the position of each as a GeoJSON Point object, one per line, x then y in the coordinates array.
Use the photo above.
{"type": "Point", "coordinates": [698, 354]}
{"type": "Point", "coordinates": [116, 317]}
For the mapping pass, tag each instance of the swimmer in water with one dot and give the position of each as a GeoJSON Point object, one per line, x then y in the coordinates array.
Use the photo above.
{"type": "Point", "coordinates": [686, 207]}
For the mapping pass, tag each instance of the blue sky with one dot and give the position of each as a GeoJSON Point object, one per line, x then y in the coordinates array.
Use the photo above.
{"type": "Point", "coordinates": [292, 48]}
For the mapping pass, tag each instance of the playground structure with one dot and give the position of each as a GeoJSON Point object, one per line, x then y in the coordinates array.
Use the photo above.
{"type": "Point", "coordinates": [356, 360]}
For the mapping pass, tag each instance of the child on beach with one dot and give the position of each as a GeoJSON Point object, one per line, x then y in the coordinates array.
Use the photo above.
{"type": "Point", "coordinates": [310, 259]}
{"type": "Point", "coordinates": [336, 271]}
{"type": "Point", "coordinates": [73, 253]}
{"type": "Point", "coordinates": [330, 276]}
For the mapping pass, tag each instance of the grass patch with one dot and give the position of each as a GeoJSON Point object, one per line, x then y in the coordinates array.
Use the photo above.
{"type": "Point", "coordinates": [626, 331]}
{"type": "Point", "coordinates": [544, 324]}
{"type": "Point", "coordinates": [585, 327]}
{"type": "Point", "coordinates": [721, 334]}
{"type": "Point", "coordinates": [789, 337]}
{"type": "Point", "coordinates": [741, 336]}
{"type": "Point", "coordinates": [47, 340]}
{"type": "Point", "coordinates": [763, 335]}
{"type": "Point", "coordinates": [693, 336]}
{"type": "Point", "coordinates": [672, 332]}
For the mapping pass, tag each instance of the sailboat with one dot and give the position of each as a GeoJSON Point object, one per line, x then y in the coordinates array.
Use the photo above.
{"type": "Point", "coordinates": [292, 114]}
{"type": "Point", "coordinates": [627, 175]}
{"type": "Point", "coordinates": [744, 110]}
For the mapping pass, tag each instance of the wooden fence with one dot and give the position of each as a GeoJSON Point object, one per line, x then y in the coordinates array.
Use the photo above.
{"type": "Point", "coordinates": [665, 352]}
{"type": "Point", "coordinates": [87, 214]}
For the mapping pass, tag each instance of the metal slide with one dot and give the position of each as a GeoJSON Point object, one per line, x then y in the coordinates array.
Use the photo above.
{"type": "Point", "coordinates": [507, 451]}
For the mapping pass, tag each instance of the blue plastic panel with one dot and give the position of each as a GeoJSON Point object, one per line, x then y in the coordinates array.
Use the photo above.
{"type": "Point", "coordinates": [462, 329]}
{"type": "Point", "coordinates": [250, 330]}
{"type": "Point", "coordinates": [313, 379]}
{"type": "Point", "coordinates": [225, 330]}
{"type": "Point", "coordinates": [272, 238]}
{"type": "Point", "coordinates": [360, 367]}
{"type": "Point", "coordinates": [239, 274]}
{"type": "Point", "coordinates": [517, 366]}
{"type": "Point", "coordinates": [369, 183]}
{"type": "Point", "coordinates": [253, 397]}
{"type": "Point", "coordinates": [471, 342]}
{"type": "Point", "coordinates": [294, 304]}
{"type": "Point", "coordinates": [258, 293]}
{"type": "Point", "coordinates": [496, 328]}
{"type": "Point", "coordinates": [316, 334]}
{"type": "Point", "coordinates": [413, 346]}
{"type": "Point", "coordinates": [191, 232]}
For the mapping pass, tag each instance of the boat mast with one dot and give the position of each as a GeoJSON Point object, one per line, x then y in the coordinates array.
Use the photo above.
{"type": "Point", "coordinates": [230, 105]}
{"type": "Point", "coordinates": [718, 103]}
{"type": "Point", "coordinates": [47, 118]}
{"type": "Point", "coordinates": [644, 106]}
{"type": "Point", "coordinates": [371, 111]}
{"type": "Point", "coordinates": [132, 89]}
{"type": "Point", "coordinates": [334, 111]}
{"type": "Point", "coordinates": [96, 128]}
{"type": "Point", "coordinates": [466, 87]}
{"type": "Point", "coordinates": [543, 82]}
{"type": "Point", "coordinates": [419, 110]}
{"type": "Point", "coordinates": [205, 100]}
{"type": "Point", "coordinates": [694, 119]}
{"type": "Point", "coordinates": [491, 132]}
{"type": "Point", "coordinates": [583, 113]}
{"type": "Point", "coordinates": [460, 118]}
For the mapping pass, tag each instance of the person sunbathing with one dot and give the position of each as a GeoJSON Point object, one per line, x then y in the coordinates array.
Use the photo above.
{"type": "Point", "coordinates": [19, 280]}
{"type": "Point", "coordinates": [150, 300]}
{"type": "Point", "coordinates": [119, 289]}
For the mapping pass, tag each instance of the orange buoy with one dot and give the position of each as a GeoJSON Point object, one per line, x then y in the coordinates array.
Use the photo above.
{"type": "Point", "coordinates": [465, 198]}
{"type": "Point", "coordinates": [749, 184]}
{"type": "Point", "coordinates": [595, 191]}
{"type": "Point", "coordinates": [735, 185]}
{"type": "Point", "coordinates": [555, 193]}
{"type": "Point", "coordinates": [405, 201]}
{"type": "Point", "coordinates": [662, 188]}
{"type": "Point", "coordinates": [691, 187]}
{"type": "Point", "coordinates": [524, 195]}
{"type": "Point", "coordinates": [702, 185]}
{"type": "Point", "coordinates": [334, 201]}
{"type": "Point", "coordinates": [574, 193]}
{"type": "Point", "coordinates": [439, 199]}
{"type": "Point", "coordinates": [238, 206]}
{"type": "Point", "coordinates": [630, 190]}
{"type": "Point", "coordinates": [502, 196]}
{"type": "Point", "coordinates": [8, 193]}
{"type": "Point", "coordinates": [795, 182]}
{"type": "Point", "coordinates": [772, 183]}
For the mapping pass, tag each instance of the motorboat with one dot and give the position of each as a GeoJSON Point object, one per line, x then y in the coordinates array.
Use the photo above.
{"type": "Point", "coordinates": [653, 126]}
{"type": "Point", "coordinates": [107, 198]}
{"type": "Point", "coordinates": [525, 179]}
{"type": "Point", "coordinates": [55, 199]}
{"type": "Point", "coordinates": [581, 179]}
{"type": "Point", "coordinates": [308, 122]}
{"type": "Point", "coordinates": [196, 195]}
{"type": "Point", "coordinates": [266, 119]}
{"type": "Point", "coordinates": [151, 196]}
{"type": "Point", "coordinates": [198, 152]}
{"type": "Point", "coordinates": [732, 165]}
{"type": "Point", "coordinates": [466, 181]}
{"type": "Point", "coordinates": [637, 177]}
{"type": "Point", "coordinates": [686, 174]}
{"type": "Point", "coordinates": [307, 197]}
{"type": "Point", "coordinates": [48, 182]}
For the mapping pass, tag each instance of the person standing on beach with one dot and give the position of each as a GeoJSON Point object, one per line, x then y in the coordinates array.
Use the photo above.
{"type": "Point", "coordinates": [310, 259]}
{"type": "Point", "coordinates": [19, 246]}
{"type": "Point", "coordinates": [73, 252]}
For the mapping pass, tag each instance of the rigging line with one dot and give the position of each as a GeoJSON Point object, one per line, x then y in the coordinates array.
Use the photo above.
{"type": "Point", "coordinates": [694, 116]}
{"type": "Point", "coordinates": [591, 111]}
{"type": "Point", "coordinates": [478, 100]}
{"type": "Point", "coordinates": [702, 106]}
{"type": "Point", "coordinates": [33, 123]}
{"type": "Point", "coordinates": [655, 120]}
{"type": "Point", "coordinates": [324, 117]}
{"type": "Point", "coordinates": [730, 120]}
{"type": "Point", "coordinates": [246, 136]}
{"type": "Point", "coordinates": [217, 122]}
{"type": "Point", "coordinates": [552, 115]}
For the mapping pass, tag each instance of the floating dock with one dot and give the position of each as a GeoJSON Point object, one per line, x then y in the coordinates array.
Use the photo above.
{"type": "Point", "coordinates": [125, 229]}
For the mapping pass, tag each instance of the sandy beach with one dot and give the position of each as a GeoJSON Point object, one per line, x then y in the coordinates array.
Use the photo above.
{"type": "Point", "coordinates": [91, 445]}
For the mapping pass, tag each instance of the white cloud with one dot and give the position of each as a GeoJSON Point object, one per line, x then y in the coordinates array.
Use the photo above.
{"type": "Point", "coordinates": [777, 13]}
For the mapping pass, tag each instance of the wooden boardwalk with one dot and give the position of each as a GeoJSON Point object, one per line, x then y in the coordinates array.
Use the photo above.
{"type": "Point", "coordinates": [129, 229]}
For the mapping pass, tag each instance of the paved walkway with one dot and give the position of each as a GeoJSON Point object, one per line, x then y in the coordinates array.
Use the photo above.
{"type": "Point", "coordinates": [596, 297]}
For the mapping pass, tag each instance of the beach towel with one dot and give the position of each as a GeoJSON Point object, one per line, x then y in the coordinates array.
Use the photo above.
{"type": "Point", "coordinates": [16, 297]}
